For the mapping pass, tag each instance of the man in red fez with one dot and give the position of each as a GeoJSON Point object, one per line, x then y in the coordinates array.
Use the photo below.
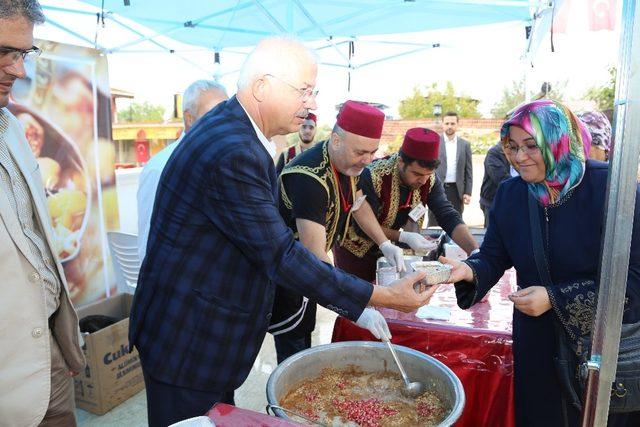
{"type": "Point", "coordinates": [305, 135]}
{"type": "Point", "coordinates": [398, 188]}
{"type": "Point", "coordinates": [319, 194]}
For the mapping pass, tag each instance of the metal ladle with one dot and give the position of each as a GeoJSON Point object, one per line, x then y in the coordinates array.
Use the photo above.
{"type": "Point", "coordinates": [410, 389]}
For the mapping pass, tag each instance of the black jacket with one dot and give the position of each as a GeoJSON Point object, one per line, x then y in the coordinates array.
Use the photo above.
{"type": "Point", "coordinates": [496, 170]}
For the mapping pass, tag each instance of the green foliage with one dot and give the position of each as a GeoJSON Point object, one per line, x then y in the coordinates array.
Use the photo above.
{"type": "Point", "coordinates": [513, 95]}
{"type": "Point", "coordinates": [141, 113]}
{"type": "Point", "coordinates": [394, 147]}
{"type": "Point", "coordinates": [604, 95]}
{"type": "Point", "coordinates": [482, 143]}
{"type": "Point", "coordinates": [420, 105]}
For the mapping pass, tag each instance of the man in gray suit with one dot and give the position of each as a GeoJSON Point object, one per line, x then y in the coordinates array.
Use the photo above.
{"type": "Point", "coordinates": [39, 335]}
{"type": "Point", "coordinates": [455, 170]}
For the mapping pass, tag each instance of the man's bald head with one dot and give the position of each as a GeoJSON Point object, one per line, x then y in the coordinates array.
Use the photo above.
{"type": "Point", "coordinates": [279, 56]}
{"type": "Point", "coordinates": [277, 83]}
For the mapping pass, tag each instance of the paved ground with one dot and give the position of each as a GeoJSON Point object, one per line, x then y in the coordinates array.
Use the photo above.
{"type": "Point", "coordinates": [252, 395]}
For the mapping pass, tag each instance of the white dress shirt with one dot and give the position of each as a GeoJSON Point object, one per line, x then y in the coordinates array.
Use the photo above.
{"type": "Point", "coordinates": [147, 188]}
{"type": "Point", "coordinates": [268, 145]}
{"type": "Point", "coordinates": [451, 145]}
{"type": "Point", "coordinates": [15, 187]}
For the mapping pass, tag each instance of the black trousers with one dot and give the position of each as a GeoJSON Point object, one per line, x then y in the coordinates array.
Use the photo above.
{"type": "Point", "coordinates": [485, 211]}
{"type": "Point", "coordinates": [288, 344]}
{"type": "Point", "coordinates": [451, 191]}
{"type": "Point", "coordinates": [167, 404]}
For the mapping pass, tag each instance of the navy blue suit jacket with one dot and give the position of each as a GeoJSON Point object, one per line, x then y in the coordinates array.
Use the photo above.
{"type": "Point", "coordinates": [217, 248]}
{"type": "Point", "coordinates": [572, 234]}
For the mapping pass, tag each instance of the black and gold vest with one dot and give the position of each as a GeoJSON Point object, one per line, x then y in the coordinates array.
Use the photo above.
{"type": "Point", "coordinates": [315, 163]}
{"type": "Point", "coordinates": [386, 184]}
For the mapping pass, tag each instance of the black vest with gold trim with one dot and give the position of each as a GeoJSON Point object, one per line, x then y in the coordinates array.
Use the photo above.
{"type": "Point", "coordinates": [386, 184]}
{"type": "Point", "coordinates": [315, 163]}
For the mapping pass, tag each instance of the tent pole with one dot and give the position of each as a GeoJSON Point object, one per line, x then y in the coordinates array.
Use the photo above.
{"type": "Point", "coordinates": [270, 17]}
{"type": "Point", "coordinates": [397, 55]}
{"type": "Point", "coordinates": [620, 203]}
{"type": "Point", "coordinates": [317, 25]}
{"type": "Point", "coordinates": [73, 33]}
{"type": "Point", "coordinates": [181, 25]}
{"type": "Point", "coordinates": [134, 31]}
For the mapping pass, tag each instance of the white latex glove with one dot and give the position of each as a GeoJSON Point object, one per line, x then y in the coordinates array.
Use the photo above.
{"type": "Point", "coordinates": [393, 254]}
{"type": "Point", "coordinates": [372, 320]}
{"type": "Point", "coordinates": [417, 242]}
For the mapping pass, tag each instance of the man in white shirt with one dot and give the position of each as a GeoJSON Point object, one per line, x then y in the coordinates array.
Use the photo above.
{"type": "Point", "coordinates": [200, 97]}
{"type": "Point", "coordinates": [455, 170]}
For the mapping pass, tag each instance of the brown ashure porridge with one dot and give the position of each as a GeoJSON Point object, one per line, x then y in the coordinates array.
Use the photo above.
{"type": "Point", "coordinates": [368, 399]}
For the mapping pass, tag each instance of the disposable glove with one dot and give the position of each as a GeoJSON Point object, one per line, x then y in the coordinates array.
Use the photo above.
{"type": "Point", "coordinates": [417, 242]}
{"type": "Point", "coordinates": [374, 322]}
{"type": "Point", "coordinates": [393, 254]}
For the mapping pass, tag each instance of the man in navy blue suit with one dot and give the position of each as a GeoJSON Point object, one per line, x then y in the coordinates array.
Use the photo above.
{"type": "Point", "coordinates": [218, 246]}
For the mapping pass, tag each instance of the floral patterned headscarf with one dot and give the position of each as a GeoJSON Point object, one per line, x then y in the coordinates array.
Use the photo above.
{"type": "Point", "coordinates": [599, 127]}
{"type": "Point", "coordinates": [564, 143]}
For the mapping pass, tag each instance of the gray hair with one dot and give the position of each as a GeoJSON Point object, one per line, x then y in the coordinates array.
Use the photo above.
{"type": "Point", "coordinates": [279, 56]}
{"type": "Point", "coordinates": [338, 131]}
{"type": "Point", "coordinates": [30, 9]}
{"type": "Point", "coordinates": [195, 89]}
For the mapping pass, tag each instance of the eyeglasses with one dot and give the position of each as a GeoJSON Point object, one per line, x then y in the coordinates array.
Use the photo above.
{"type": "Point", "coordinates": [305, 93]}
{"type": "Point", "coordinates": [11, 55]}
{"type": "Point", "coordinates": [529, 150]}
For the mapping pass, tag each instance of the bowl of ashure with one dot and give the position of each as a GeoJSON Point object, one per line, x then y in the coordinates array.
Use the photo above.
{"type": "Point", "coordinates": [64, 177]}
{"type": "Point", "coordinates": [358, 384]}
{"type": "Point", "coordinates": [437, 272]}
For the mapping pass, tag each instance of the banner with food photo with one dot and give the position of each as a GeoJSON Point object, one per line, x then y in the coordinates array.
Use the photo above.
{"type": "Point", "coordinates": [64, 105]}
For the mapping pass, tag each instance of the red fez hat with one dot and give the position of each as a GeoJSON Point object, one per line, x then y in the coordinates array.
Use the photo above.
{"type": "Point", "coordinates": [361, 119]}
{"type": "Point", "coordinates": [311, 116]}
{"type": "Point", "coordinates": [421, 144]}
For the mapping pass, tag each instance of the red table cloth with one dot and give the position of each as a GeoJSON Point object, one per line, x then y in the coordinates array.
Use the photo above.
{"type": "Point", "coordinates": [474, 343]}
{"type": "Point", "coordinates": [224, 415]}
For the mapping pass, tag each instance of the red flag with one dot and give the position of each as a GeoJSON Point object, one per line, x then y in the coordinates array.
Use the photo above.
{"type": "Point", "coordinates": [560, 17]}
{"type": "Point", "coordinates": [602, 14]}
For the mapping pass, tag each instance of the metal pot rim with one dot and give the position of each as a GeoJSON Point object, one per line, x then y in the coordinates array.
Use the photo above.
{"type": "Point", "coordinates": [454, 414]}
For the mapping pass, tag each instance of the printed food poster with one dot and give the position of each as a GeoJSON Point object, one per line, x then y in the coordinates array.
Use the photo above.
{"type": "Point", "coordinates": [64, 106]}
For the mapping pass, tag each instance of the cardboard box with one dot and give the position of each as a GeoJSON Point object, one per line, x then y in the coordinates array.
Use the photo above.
{"type": "Point", "coordinates": [112, 374]}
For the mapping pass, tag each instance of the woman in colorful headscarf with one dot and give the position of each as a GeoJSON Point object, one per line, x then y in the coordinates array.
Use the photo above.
{"type": "Point", "coordinates": [549, 146]}
{"type": "Point", "coordinates": [599, 127]}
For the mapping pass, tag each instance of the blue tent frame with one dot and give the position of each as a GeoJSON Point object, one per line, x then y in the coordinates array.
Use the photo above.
{"type": "Point", "coordinates": [226, 25]}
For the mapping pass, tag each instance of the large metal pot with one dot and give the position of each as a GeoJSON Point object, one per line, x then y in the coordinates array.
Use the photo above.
{"type": "Point", "coordinates": [370, 356]}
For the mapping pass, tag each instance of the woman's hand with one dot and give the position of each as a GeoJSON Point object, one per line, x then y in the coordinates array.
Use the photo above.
{"type": "Point", "coordinates": [460, 271]}
{"type": "Point", "coordinates": [532, 301]}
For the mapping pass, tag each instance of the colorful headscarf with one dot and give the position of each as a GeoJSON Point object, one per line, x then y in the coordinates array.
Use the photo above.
{"type": "Point", "coordinates": [599, 127]}
{"type": "Point", "coordinates": [563, 141]}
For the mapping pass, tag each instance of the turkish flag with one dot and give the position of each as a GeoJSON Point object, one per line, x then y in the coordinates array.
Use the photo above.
{"type": "Point", "coordinates": [560, 17]}
{"type": "Point", "coordinates": [142, 151]}
{"type": "Point", "coordinates": [602, 14]}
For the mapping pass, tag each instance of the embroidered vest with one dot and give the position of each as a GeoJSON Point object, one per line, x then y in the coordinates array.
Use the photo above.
{"type": "Point", "coordinates": [316, 164]}
{"type": "Point", "coordinates": [292, 152]}
{"type": "Point", "coordinates": [386, 184]}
